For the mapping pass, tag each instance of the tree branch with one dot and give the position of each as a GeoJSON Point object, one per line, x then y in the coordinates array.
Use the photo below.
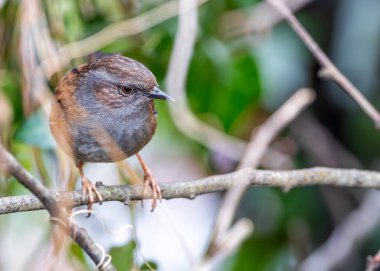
{"type": "Point", "coordinates": [286, 180]}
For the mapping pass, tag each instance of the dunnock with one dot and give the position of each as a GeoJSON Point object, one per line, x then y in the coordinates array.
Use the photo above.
{"type": "Point", "coordinates": [104, 112]}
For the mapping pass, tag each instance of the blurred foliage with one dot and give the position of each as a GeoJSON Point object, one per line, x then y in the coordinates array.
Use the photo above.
{"type": "Point", "coordinates": [226, 87]}
{"type": "Point", "coordinates": [234, 88]}
{"type": "Point", "coordinates": [260, 253]}
{"type": "Point", "coordinates": [34, 131]}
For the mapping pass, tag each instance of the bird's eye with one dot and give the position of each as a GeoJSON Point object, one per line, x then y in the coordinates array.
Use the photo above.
{"type": "Point", "coordinates": [125, 90]}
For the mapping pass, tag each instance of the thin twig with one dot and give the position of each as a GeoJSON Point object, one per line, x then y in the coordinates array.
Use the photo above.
{"type": "Point", "coordinates": [47, 199]}
{"type": "Point", "coordinates": [329, 70]}
{"type": "Point", "coordinates": [285, 179]}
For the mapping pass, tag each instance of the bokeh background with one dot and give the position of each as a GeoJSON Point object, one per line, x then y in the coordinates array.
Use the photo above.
{"type": "Point", "coordinates": [242, 69]}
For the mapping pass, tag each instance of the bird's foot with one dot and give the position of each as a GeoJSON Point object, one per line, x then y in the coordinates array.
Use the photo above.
{"type": "Point", "coordinates": [150, 181]}
{"type": "Point", "coordinates": [90, 189]}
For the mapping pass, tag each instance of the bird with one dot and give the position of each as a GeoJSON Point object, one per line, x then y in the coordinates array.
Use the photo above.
{"type": "Point", "coordinates": [103, 112]}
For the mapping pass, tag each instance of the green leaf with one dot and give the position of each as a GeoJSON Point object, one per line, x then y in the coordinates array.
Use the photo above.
{"type": "Point", "coordinates": [222, 84]}
{"type": "Point", "coordinates": [34, 131]}
{"type": "Point", "coordinates": [122, 257]}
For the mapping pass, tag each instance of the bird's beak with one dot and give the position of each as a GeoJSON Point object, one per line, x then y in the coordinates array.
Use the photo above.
{"type": "Point", "coordinates": [159, 94]}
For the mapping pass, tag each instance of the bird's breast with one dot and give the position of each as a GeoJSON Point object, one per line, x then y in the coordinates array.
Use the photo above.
{"type": "Point", "coordinates": [114, 135]}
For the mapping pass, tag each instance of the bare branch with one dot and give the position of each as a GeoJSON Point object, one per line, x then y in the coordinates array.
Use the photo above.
{"type": "Point", "coordinates": [285, 179]}
{"type": "Point", "coordinates": [329, 70]}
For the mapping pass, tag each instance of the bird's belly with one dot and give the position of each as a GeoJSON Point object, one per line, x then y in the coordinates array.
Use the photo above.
{"type": "Point", "coordinates": [113, 142]}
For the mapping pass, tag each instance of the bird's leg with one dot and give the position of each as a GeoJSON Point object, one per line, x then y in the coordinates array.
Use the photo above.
{"type": "Point", "coordinates": [88, 188]}
{"type": "Point", "coordinates": [149, 180]}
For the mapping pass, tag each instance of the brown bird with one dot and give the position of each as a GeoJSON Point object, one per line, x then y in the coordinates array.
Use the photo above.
{"type": "Point", "coordinates": [104, 112]}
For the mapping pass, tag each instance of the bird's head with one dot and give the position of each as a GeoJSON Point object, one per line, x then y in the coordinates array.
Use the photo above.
{"type": "Point", "coordinates": [117, 81]}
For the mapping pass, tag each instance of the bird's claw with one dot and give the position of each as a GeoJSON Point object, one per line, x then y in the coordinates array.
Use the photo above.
{"type": "Point", "coordinates": [149, 180]}
{"type": "Point", "coordinates": [90, 189]}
